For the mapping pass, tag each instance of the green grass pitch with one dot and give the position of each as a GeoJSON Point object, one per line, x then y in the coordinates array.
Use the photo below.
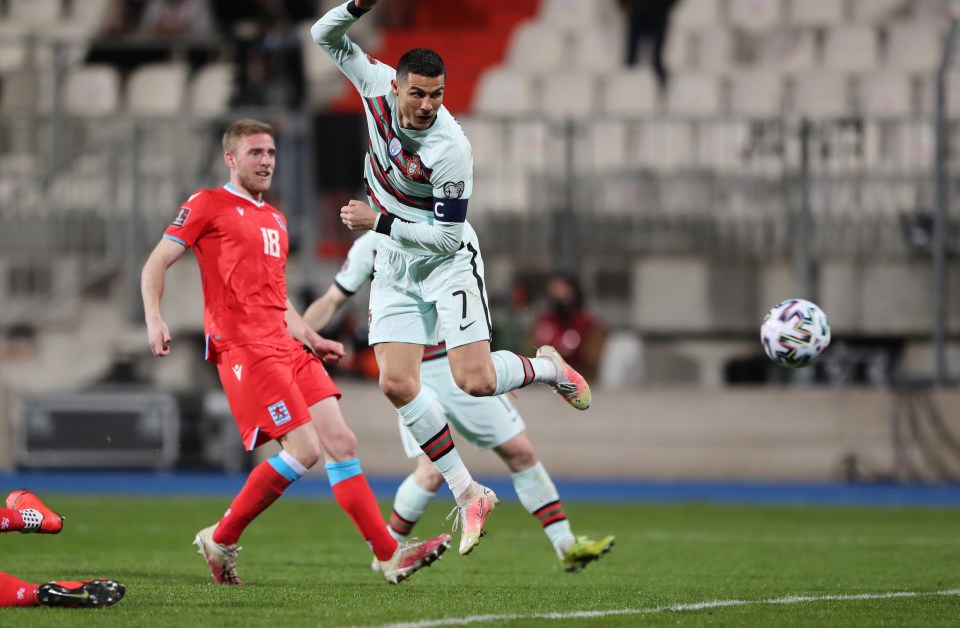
{"type": "Point", "coordinates": [678, 564]}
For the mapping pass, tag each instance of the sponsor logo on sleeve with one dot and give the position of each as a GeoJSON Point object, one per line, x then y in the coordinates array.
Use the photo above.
{"type": "Point", "coordinates": [453, 189]}
{"type": "Point", "coordinates": [181, 217]}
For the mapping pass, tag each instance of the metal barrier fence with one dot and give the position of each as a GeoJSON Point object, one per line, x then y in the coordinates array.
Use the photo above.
{"type": "Point", "coordinates": [561, 190]}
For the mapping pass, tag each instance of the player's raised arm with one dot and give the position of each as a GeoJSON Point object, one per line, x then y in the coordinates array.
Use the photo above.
{"type": "Point", "coordinates": [330, 34]}
{"type": "Point", "coordinates": [151, 289]}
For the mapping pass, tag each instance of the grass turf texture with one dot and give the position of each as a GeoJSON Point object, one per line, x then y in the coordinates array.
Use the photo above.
{"type": "Point", "coordinates": [305, 565]}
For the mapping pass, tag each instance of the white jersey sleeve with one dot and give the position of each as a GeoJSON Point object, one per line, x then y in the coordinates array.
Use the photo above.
{"type": "Point", "coordinates": [330, 33]}
{"type": "Point", "coordinates": [358, 267]}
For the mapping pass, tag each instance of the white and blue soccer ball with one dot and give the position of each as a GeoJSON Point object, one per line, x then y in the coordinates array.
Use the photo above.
{"type": "Point", "coordinates": [795, 333]}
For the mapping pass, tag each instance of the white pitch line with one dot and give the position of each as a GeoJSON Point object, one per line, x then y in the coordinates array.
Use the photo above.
{"type": "Point", "coordinates": [709, 537]}
{"type": "Point", "coordinates": [674, 608]}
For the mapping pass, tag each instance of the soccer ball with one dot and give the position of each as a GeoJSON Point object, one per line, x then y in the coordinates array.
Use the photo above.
{"type": "Point", "coordinates": [795, 333]}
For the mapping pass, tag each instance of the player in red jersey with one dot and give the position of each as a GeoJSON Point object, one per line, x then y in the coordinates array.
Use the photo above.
{"type": "Point", "coordinates": [277, 389]}
{"type": "Point", "coordinates": [26, 513]}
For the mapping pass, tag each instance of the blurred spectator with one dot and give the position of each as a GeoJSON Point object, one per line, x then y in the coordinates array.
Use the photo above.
{"type": "Point", "coordinates": [574, 332]}
{"type": "Point", "coordinates": [648, 21]}
{"type": "Point", "coordinates": [177, 18]}
{"type": "Point", "coordinates": [156, 31]}
{"type": "Point", "coordinates": [267, 48]}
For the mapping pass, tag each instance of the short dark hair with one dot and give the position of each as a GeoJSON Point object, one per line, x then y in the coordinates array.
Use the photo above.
{"type": "Point", "coordinates": [422, 62]}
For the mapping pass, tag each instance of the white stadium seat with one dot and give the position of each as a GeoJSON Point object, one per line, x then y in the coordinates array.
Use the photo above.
{"type": "Point", "coordinates": [210, 91]}
{"type": "Point", "coordinates": [696, 15]}
{"type": "Point", "coordinates": [34, 13]}
{"type": "Point", "coordinates": [694, 95]}
{"type": "Point", "coordinates": [503, 91]}
{"type": "Point", "coordinates": [570, 15]}
{"type": "Point", "coordinates": [914, 46]}
{"type": "Point", "coordinates": [629, 92]}
{"type": "Point", "coordinates": [757, 93]}
{"type": "Point", "coordinates": [157, 89]}
{"type": "Point", "coordinates": [91, 90]}
{"type": "Point", "coordinates": [537, 48]}
{"type": "Point", "coordinates": [885, 94]}
{"type": "Point", "coordinates": [820, 95]}
{"type": "Point", "coordinates": [789, 51]}
{"type": "Point", "coordinates": [568, 95]}
{"type": "Point", "coordinates": [815, 13]}
{"type": "Point", "coordinates": [598, 49]}
{"type": "Point", "coordinates": [13, 47]}
{"type": "Point", "coordinates": [876, 11]}
{"type": "Point", "coordinates": [716, 48]}
{"type": "Point", "coordinates": [756, 16]}
{"type": "Point", "coordinates": [851, 48]}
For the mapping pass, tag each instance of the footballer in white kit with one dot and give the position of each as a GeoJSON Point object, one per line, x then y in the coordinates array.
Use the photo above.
{"type": "Point", "coordinates": [486, 422]}
{"type": "Point", "coordinates": [428, 283]}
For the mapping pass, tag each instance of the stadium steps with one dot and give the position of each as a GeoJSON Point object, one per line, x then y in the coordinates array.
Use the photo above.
{"type": "Point", "coordinates": [470, 36]}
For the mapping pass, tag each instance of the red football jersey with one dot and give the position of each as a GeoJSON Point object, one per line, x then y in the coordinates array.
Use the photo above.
{"type": "Point", "coordinates": [241, 247]}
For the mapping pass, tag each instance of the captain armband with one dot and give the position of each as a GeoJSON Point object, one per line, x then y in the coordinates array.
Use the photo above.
{"type": "Point", "coordinates": [450, 209]}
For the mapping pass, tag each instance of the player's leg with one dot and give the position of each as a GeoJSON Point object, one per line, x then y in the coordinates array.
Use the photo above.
{"type": "Point", "coordinates": [412, 497]}
{"type": "Point", "coordinates": [267, 405]}
{"type": "Point", "coordinates": [397, 561]}
{"type": "Point", "coordinates": [539, 495]}
{"type": "Point", "coordinates": [25, 512]}
{"type": "Point", "coordinates": [16, 592]}
{"type": "Point", "coordinates": [464, 321]}
{"type": "Point", "coordinates": [349, 484]}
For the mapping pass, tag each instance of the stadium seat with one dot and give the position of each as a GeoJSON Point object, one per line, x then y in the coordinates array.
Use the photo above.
{"type": "Point", "coordinates": [486, 140]}
{"type": "Point", "coordinates": [877, 11]}
{"type": "Point", "coordinates": [503, 91]}
{"type": "Point", "coordinates": [678, 51]}
{"type": "Point", "coordinates": [157, 89]}
{"type": "Point", "coordinates": [756, 16]}
{"type": "Point", "coordinates": [18, 172]}
{"type": "Point", "coordinates": [571, 15]}
{"type": "Point", "coordinates": [629, 92]}
{"type": "Point", "coordinates": [91, 90]}
{"type": "Point", "coordinates": [34, 13]}
{"type": "Point", "coordinates": [914, 46]}
{"type": "Point", "coordinates": [820, 95]}
{"type": "Point", "coordinates": [696, 15]}
{"type": "Point", "coordinates": [210, 91]}
{"type": "Point", "coordinates": [20, 92]}
{"type": "Point", "coordinates": [13, 47]}
{"type": "Point", "coordinates": [851, 48]}
{"type": "Point", "coordinates": [789, 50]}
{"type": "Point", "coordinates": [604, 147]}
{"type": "Point", "coordinates": [537, 48]}
{"type": "Point", "coordinates": [662, 145]}
{"type": "Point", "coordinates": [716, 49]}
{"type": "Point", "coordinates": [694, 94]}
{"type": "Point", "coordinates": [757, 93]}
{"type": "Point", "coordinates": [323, 77]}
{"type": "Point", "coordinates": [90, 15]}
{"type": "Point", "coordinates": [500, 192]}
{"type": "Point", "coordinates": [568, 95]}
{"type": "Point", "coordinates": [598, 50]}
{"type": "Point", "coordinates": [885, 94]}
{"type": "Point", "coordinates": [815, 13]}
{"type": "Point", "coordinates": [721, 146]}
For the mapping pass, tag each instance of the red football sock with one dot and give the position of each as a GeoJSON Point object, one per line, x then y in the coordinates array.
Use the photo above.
{"type": "Point", "coordinates": [10, 520]}
{"type": "Point", "coordinates": [356, 499]}
{"type": "Point", "coordinates": [263, 487]}
{"type": "Point", "coordinates": [16, 592]}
